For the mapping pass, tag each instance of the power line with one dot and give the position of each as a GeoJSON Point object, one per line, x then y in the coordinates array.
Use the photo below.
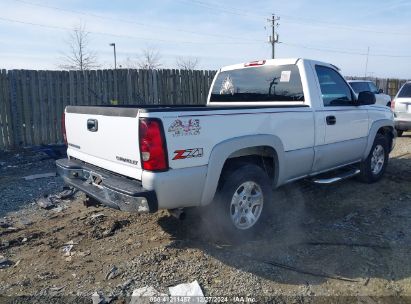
{"type": "Point", "coordinates": [222, 8]}
{"type": "Point", "coordinates": [321, 48]}
{"type": "Point", "coordinates": [127, 21]}
{"type": "Point", "coordinates": [339, 51]}
{"type": "Point", "coordinates": [198, 42]}
{"type": "Point", "coordinates": [339, 26]}
{"type": "Point", "coordinates": [120, 35]}
{"type": "Point", "coordinates": [294, 19]}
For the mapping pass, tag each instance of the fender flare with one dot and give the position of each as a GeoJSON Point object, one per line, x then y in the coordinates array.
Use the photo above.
{"type": "Point", "coordinates": [373, 133]}
{"type": "Point", "coordinates": [221, 152]}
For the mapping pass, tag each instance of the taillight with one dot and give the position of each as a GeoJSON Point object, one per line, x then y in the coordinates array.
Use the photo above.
{"type": "Point", "coordinates": [63, 127]}
{"type": "Point", "coordinates": [153, 150]}
{"type": "Point", "coordinates": [254, 63]}
{"type": "Point", "coordinates": [393, 104]}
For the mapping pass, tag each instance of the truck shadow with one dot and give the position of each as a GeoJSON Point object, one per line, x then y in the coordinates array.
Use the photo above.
{"type": "Point", "coordinates": [347, 231]}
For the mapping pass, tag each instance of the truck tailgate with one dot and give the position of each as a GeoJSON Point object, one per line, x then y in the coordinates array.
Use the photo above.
{"type": "Point", "coordinates": [403, 105]}
{"type": "Point", "coordinates": [106, 137]}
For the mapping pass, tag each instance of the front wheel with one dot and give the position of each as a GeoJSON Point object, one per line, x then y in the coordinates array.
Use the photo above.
{"type": "Point", "coordinates": [399, 133]}
{"type": "Point", "coordinates": [373, 167]}
{"type": "Point", "coordinates": [242, 200]}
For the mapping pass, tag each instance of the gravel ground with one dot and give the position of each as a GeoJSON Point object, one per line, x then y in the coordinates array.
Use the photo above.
{"type": "Point", "coordinates": [347, 242]}
{"type": "Point", "coordinates": [15, 191]}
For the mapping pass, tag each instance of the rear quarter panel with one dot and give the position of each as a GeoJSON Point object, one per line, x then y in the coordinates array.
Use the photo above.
{"type": "Point", "coordinates": [191, 143]}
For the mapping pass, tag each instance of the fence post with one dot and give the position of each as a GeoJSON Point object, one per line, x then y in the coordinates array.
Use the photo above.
{"type": "Point", "coordinates": [4, 113]}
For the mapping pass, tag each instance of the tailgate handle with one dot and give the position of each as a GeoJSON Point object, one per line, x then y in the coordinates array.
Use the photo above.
{"type": "Point", "coordinates": [92, 125]}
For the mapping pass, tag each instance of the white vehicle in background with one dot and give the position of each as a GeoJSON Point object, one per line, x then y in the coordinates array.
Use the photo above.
{"type": "Point", "coordinates": [401, 106]}
{"type": "Point", "coordinates": [369, 86]}
{"type": "Point", "coordinates": [266, 123]}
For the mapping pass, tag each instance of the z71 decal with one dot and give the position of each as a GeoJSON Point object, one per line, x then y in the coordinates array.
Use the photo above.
{"type": "Point", "coordinates": [185, 128]}
{"type": "Point", "coordinates": [188, 153]}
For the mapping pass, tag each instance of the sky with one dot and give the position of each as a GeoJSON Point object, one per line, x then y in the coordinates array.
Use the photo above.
{"type": "Point", "coordinates": [34, 34]}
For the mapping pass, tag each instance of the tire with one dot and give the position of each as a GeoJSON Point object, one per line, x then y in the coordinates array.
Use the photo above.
{"type": "Point", "coordinates": [373, 167]}
{"type": "Point", "coordinates": [399, 133]}
{"type": "Point", "coordinates": [235, 214]}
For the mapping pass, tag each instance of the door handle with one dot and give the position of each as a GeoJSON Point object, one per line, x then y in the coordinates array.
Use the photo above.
{"type": "Point", "coordinates": [92, 125]}
{"type": "Point", "coordinates": [331, 120]}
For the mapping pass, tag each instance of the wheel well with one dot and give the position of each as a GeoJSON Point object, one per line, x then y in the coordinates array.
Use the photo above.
{"type": "Point", "coordinates": [387, 132]}
{"type": "Point", "coordinates": [263, 156]}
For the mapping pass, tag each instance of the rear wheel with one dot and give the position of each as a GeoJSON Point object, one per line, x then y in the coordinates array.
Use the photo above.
{"type": "Point", "coordinates": [246, 205]}
{"type": "Point", "coordinates": [399, 133]}
{"type": "Point", "coordinates": [241, 202]}
{"type": "Point", "coordinates": [373, 167]}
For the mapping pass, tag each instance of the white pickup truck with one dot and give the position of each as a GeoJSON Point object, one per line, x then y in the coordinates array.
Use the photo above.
{"type": "Point", "coordinates": [266, 123]}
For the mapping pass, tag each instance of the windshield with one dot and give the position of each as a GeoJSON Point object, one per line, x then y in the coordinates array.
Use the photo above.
{"type": "Point", "coordinates": [267, 83]}
{"type": "Point", "coordinates": [359, 87]}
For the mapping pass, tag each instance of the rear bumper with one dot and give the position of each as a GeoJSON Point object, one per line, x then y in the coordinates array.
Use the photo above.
{"type": "Point", "coordinates": [114, 191]}
{"type": "Point", "coordinates": [403, 125]}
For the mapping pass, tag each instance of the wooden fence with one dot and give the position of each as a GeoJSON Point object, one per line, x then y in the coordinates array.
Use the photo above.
{"type": "Point", "coordinates": [390, 86]}
{"type": "Point", "coordinates": [32, 102]}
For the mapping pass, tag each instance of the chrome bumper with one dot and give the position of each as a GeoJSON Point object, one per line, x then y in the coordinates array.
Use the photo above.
{"type": "Point", "coordinates": [112, 190]}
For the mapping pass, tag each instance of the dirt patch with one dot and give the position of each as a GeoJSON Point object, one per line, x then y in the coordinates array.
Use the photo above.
{"type": "Point", "coordinates": [322, 242]}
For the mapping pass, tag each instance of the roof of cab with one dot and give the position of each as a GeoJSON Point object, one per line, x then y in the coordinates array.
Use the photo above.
{"type": "Point", "coordinates": [281, 61]}
{"type": "Point", "coordinates": [265, 62]}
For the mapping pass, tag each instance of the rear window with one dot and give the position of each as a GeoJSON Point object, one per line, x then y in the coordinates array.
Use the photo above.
{"type": "Point", "coordinates": [359, 86]}
{"type": "Point", "coordinates": [405, 91]}
{"type": "Point", "coordinates": [265, 83]}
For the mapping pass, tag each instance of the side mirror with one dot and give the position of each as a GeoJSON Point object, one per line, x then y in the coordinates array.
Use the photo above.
{"type": "Point", "coordinates": [365, 98]}
{"type": "Point", "coordinates": [380, 91]}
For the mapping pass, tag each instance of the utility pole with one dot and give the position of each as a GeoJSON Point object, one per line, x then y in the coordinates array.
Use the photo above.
{"type": "Point", "coordinates": [115, 55]}
{"type": "Point", "coordinates": [366, 62]}
{"type": "Point", "coordinates": [273, 39]}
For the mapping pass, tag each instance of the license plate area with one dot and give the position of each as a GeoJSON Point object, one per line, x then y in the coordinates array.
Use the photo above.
{"type": "Point", "coordinates": [94, 179]}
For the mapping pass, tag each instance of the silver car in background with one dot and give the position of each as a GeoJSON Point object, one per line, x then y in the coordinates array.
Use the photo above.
{"type": "Point", "coordinates": [367, 85]}
{"type": "Point", "coordinates": [401, 106]}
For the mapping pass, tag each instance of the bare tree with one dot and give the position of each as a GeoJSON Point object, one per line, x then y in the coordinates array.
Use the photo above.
{"type": "Point", "coordinates": [150, 59]}
{"type": "Point", "coordinates": [130, 63]}
{"type": "Point", "coordinates": [80, 57]}
{"type": "Point", "coordinates": [187, 63]}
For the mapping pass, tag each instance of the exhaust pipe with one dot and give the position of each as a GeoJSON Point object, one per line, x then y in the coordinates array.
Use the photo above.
{"type": "Point", "coordinates": [178, 213]}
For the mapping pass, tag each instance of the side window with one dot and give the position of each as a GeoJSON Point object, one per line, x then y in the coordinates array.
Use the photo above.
{"type": "Point", "coordinates": [359, 86]}
{"type": "Point", "coordinates": [334, 90]}
{"type": "Point", "coordinates": [373, 88]}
